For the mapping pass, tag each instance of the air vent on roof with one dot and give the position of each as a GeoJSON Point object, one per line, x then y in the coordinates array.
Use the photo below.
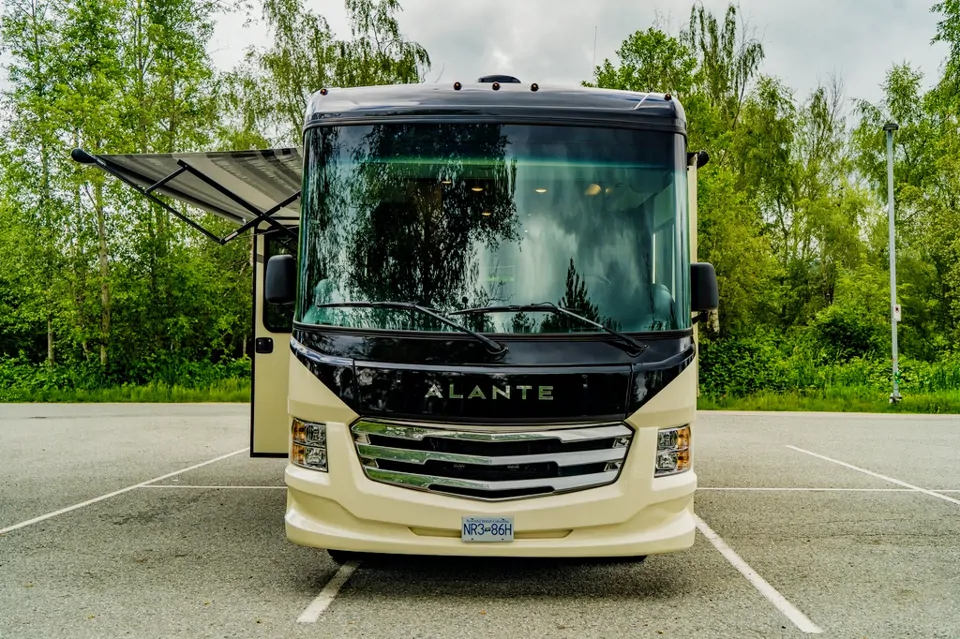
{"type": "Point", "coordinates": [499, 78]}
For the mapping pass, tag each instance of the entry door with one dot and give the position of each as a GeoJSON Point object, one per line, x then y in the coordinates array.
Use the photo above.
{"type": "Point", "coordinates": [270, 427]}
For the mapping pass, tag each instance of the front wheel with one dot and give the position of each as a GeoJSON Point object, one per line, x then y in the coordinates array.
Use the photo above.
{"type": "Point", "coordinates": [637, 559]}
{"type": "Point", "coordinates": [343, 556]}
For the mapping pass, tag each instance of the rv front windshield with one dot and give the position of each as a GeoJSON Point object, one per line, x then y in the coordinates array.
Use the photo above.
{"type": "Point", "coordinates": [465, 215]}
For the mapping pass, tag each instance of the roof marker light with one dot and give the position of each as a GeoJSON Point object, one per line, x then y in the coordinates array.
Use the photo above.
{"type": "Point", "coordinates": [498, 78]}
{"type": "Point", "coordinates": [456, 86]}
{"type": "Point", "coordinates": [496, 86]}
{"type": "Point", "coordinates": [323, 92]}
{"type": "Point", "coordinates": [534, 87]}
{"type": "Point", "coordinates": [667, 97]}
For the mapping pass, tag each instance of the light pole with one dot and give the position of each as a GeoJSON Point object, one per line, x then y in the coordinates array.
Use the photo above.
{"type": "Point", "coordinates": [890, 127]}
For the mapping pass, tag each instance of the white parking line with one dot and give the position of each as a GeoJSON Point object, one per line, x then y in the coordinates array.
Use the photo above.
{"type": "Point", "coordinates": [326, 596]}
{"type": "Point", "coordinates": [813, 489]}
{"type": "Point", "coordinates": [799, 619]}
{"type": "Point", "coordinates": [62, 511]}
{"type": "Point", "coordinates": [879, 476]}
{"type": "Point", "coordinates": [214, 486]}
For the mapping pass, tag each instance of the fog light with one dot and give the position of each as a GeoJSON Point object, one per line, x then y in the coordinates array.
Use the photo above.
{"type": "Point", "coordinates": [309, 457]}
{"type": "Point", "coordinates": [309, 447]}
{"type": "Point", "coordinates": [673, 451]}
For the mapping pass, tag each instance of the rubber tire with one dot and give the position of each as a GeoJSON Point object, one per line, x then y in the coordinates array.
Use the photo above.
{"type": "Point", "coordinates": [342, 556]}
{"type": "Point", "coordinates": [638, 559]}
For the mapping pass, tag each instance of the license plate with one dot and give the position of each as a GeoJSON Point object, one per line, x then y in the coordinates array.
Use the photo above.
{"type": "Point", "coordinates": [486, 529]}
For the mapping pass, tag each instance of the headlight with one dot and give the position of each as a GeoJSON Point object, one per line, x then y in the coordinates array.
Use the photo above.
{"type": "Point", "coordinates": [673, 451]}
{"type": "Point", "coordinates": [309, 449]}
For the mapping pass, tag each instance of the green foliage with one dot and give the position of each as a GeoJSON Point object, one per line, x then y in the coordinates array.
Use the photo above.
{"type": "Point", "coordinates": [230, 390]}
{"type": "Point", "coordinates": [99, 285]}
{"type": "Point", "coordinates": [767, 363]}
{"type": "Point", "coordinates": [792, 212]}
{"type": "Point", "coordinates": [838, 399]}
{"type": "Point", "coordinates": [103, 297]}
{"type": "Point", "coordinates": [857, 323]}
{"type": "Point", "coordinates": [267, 95]}
{"type": "Point", "coordinates": [23, 380]}
{"type": "Point", "coordinates": [98, 288]}
{"type": "Point", "coordinates": [650, 60]}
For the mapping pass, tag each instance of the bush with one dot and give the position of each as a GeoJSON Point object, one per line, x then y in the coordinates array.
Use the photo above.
{"type": "Point", "coordinates": [857, 323]}
{"type": "Point", "coordinates": [21, 379]}
{"type": "Point", "coordinates": [767, 362]}
{"type": "Point", "coordinates": [763, 363]}
{"type": "Point", "coordinates": [847, 332]}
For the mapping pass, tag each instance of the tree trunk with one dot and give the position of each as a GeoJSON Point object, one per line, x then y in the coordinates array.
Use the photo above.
{"type": "Point", "coordinates": [50, 359]}
{"type": "Point", "coordinates": [75, 231]}
{"type": "Point", "coordinates": [104, 273]}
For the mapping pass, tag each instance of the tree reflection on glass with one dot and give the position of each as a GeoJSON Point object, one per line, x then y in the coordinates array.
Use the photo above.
{"type": "Point", "coordinates": [462, 215]}
{"type": "Point", "coordinates": [417, 220]}
{"type": "Point", "coordinates": [420, 198]}
{"type": "Point", "coordinates": [577, 300]}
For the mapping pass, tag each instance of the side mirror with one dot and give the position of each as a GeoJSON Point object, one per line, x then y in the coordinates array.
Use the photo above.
{"type": "Point", "coordinates": [280, 285]}
{"type": "Point", "coordinates": [704, 294]}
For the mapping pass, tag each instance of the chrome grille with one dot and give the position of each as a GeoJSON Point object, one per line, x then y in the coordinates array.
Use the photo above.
{"type": "Point", "coordinates": [482, 463]}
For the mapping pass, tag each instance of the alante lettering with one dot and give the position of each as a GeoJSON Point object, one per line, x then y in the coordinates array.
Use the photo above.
{"type": "Point", "coordinates": [493, 392]}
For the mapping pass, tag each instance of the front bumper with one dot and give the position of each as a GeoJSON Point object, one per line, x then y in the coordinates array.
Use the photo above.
{"type": "Point", "coordinates": [344, 510]}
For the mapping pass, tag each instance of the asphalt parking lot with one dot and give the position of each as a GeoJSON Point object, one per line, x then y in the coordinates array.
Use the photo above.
{"type": "Point", "coordinates": [152, 521]}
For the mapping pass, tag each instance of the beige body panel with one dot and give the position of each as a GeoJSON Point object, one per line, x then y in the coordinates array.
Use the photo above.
{"type": "Point", "coordinates": [692, 234]}
{"type": "Point", "coordinates": [271, 425]}
{"type": "Point", "coordinates": [637, 515]}
{"type": "Point", "coordinates": [343, 509]}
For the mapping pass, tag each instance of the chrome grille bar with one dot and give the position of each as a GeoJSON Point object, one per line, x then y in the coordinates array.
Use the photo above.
{"type": "Point", "coordinates": [368, 451]}
{"type": "Point", "coordinates": [415, 432]}
{"type": "Point", "coordinates": [489, 463]}
{"type": "Point", "coordinates": [556, 484]}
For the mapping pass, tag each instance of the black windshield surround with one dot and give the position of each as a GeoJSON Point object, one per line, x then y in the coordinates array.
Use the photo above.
{"type": "Point", "coordinates": [422, 212]}
{"type": "Point", "coordinates": [635, 347]}
{"type": "Point", "coordinates": [451, 216]}
{"type": "Point", "coordinates": [541, 380]}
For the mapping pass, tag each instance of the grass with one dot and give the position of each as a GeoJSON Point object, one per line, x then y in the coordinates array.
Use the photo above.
{"type": "Point", "coordinates": [840, 399]}
{"type": "Point", "coordinates": [226, 391]}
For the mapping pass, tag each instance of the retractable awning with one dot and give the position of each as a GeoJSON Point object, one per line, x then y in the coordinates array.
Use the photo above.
{"type": "Point", "coordinates": [245, 187]}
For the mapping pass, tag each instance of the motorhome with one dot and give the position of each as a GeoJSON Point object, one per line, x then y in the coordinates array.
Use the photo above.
{"type": "Point", "coordinates": [474, 315]}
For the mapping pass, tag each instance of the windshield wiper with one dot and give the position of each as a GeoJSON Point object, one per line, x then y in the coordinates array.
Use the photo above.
{"type": "Point", "coordinates": [495, 347]}
{"type": "Point", "coordinates": [549, 306]}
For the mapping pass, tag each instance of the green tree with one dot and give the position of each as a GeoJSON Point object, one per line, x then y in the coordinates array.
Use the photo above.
{"type": "Point", "coordinates": [30, 34]}
{"type": "Point", "coordinates": [268, 93]}
{"type": "Point", "coordinates": [649, 61]}
{"type": "Point", "coordinates": [89, 100]}
{"type": "Point", "coordinates": [711, 67]}
{"type": "Point", "coordinates": [927, 217]}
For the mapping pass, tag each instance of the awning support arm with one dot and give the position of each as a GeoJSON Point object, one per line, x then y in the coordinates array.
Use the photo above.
{"type": "Point", "coordinates": [259, 216]}
{"type": "Point", "coordinates": [84, 157]}
{"type": "Point", "coordinates": [170, 177]}
{"type": "Point", "coordinates": [267, 215]}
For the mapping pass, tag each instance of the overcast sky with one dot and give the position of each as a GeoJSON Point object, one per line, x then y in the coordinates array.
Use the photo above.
{"type": "Point", "coordinates": [552, 41]}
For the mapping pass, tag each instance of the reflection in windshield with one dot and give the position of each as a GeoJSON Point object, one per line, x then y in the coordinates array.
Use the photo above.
{"type": "Point", "coordinates": [454, 216]}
